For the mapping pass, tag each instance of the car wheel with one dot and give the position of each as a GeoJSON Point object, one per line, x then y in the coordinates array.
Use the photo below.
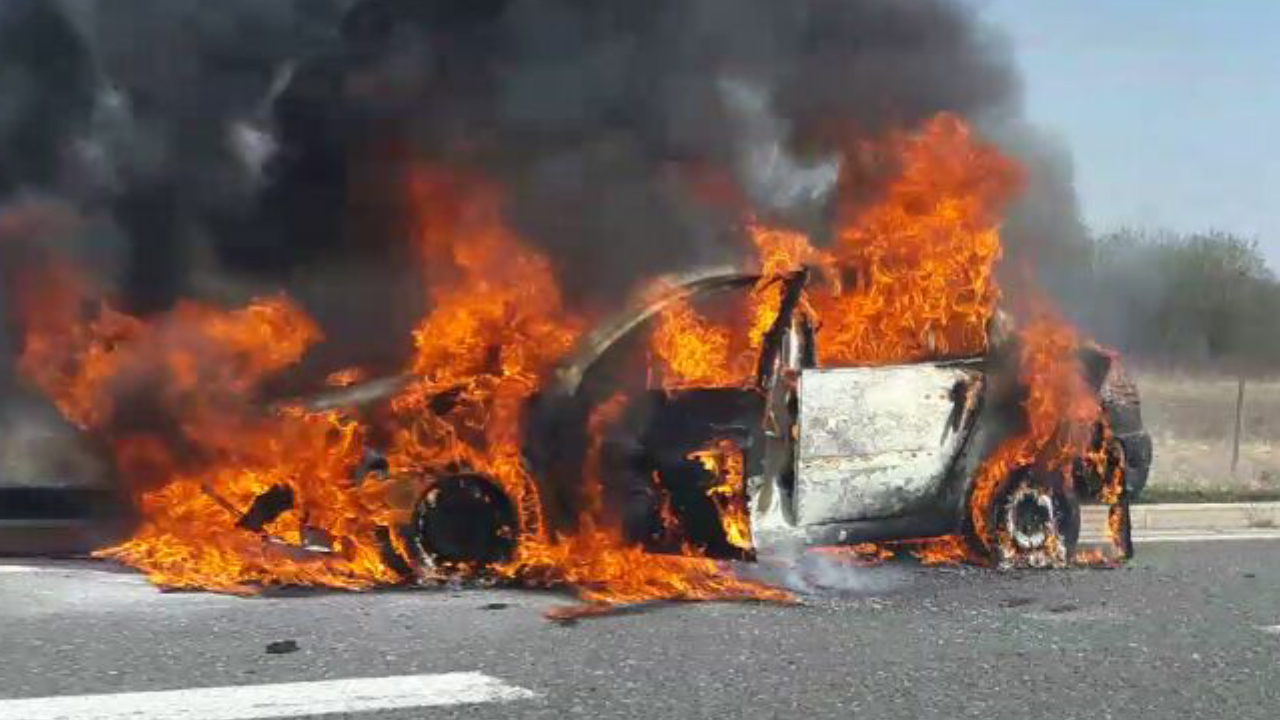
{"type": "Point", "coordinates": [465, 521]}
{"type": "Point", "coordinates": [1036, 521]}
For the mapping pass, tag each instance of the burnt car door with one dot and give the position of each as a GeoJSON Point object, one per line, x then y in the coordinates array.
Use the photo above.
{"type": "Point", "coordinates": [878, 442]}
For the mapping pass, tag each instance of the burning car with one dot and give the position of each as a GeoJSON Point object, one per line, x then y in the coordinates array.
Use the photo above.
{"type": "Point", "coordinates": [865, 385]}
{"type": "Point", "coordinates": [803, 455]}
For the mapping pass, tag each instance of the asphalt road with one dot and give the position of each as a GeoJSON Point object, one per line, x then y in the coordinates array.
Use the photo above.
{"type": "Point", "coordinates": [1184, 631]}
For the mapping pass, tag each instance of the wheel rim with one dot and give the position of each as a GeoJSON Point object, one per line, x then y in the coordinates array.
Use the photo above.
{"type": "Point", "coordinates": [1030, 532]}
{"type": "Point", "coordinates": [465, 522]}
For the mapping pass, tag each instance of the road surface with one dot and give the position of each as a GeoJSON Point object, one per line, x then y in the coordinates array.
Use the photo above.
{"type": "Point", "coordinates": [1187, 630]}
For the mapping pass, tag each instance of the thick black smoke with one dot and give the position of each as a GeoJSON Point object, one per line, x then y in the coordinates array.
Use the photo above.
{"type": "Point", "coordinates": [604, 119]}
{"type": "Point", "coordinates": [234, 145]}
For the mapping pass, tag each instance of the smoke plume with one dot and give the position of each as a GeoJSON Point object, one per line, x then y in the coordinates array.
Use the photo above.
{"type": "Point", "coordinates": [233, 146]}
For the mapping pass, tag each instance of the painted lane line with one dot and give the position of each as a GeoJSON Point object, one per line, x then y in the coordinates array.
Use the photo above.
{"type": "Point", "coordinates": [284, 700]}
{"type": "Point", "coordinates": [1270, 629]}
{"type": "Point", "coordinates": [1143, 539]}
{"type": "Point", "coordinates": [98, 574]}
{"type": "Point", "coordinates": [1204, 537]}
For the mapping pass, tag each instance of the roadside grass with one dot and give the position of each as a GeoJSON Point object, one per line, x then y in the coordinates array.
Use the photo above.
{"type": "Point", "coordinates": [1157, 495]}
{"type": "Point", "coordinates": [1191, 418]}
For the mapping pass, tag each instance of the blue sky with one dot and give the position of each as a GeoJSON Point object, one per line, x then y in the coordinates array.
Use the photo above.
{"type": "Point", "coordinates": [1171, 108]}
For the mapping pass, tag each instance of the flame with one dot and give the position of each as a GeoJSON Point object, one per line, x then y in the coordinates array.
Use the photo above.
{"type": "Point", "coordinates": [1060, 413]}
{"type": "Point", "coordinates": [945, 550]}
{"type": "Point", "coordinates": [191, 349]}
{"type": "Point", "coordinates": [689, 350]}
{"type": "Point", "coordinates": [497, 326]}
{"type": "Point", "coordinates": [1117, 549]}
{"type": "Point", "coordinates": [1106, 461]}
{"type": "Point", "coordinates": [1109, 460]}
{"type": "Point", "coordinates": [667, 517]}
{"type": "Point", "coordinates": [1116, 521]}
{"type": "Point", "coordinates": [909, 277]}
{"type": "Point", "coordinates": [189, 537]}
{"type": "Point", "coordinates": [496, 329]}
{"type": "Point", "coordinates": [606, 572]}
{"type": "Point", "coordinates": [172, 396]}
{"type": "Point", "coordinates": [693, 352]}
{"type": "Point", "coordinates": [781, 252]}
{"type": "Point", "coordinates": [724, 461]}
{"type": "Point", "coordinates": [923, 257]}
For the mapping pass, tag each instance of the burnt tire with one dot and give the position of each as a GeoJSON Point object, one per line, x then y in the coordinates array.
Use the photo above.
{"type": "Point", "coordinates": [465, 521]}
{"type": "Point", "coordinates": [1035, 520]}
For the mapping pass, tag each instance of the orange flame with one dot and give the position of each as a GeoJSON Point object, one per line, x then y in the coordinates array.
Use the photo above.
{"type": "Point", "coordinates": [723, 459]}
{"type": "Point", "coordinates": [497, 326]}
{"type": "Point", "coordinates": [945, 550]}
{"type": "Point", "coordinates": [192, 350]}
{"type": "Point", "coordinates": [606, 572]}
{"type": "Point", "coordinates": [173, 397]}
{"type": "Point", "coordinates": [496, 330]}
{"type": "Point", "coordinates": [923, 257]}
{"type": "Point", "coordinates": [692, 351]}
{"type": "Point", "coordinates": [909, 277]}
{"type": "Point", "coordinates": [781, 252]}
{"type": "Point", "coordinates": [1060, 414]}
{"type": "Point", "coordinates": [189, 540]}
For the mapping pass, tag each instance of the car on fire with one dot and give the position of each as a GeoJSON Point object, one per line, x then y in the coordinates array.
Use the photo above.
{"type": "Point", "coordinates": [829, 456]}
{"type": "Point", "coordinates": [826, 456]}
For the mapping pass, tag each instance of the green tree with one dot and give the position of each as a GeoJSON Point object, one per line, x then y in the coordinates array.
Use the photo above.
{"type": "Point", "coordinates": [1198, 298]}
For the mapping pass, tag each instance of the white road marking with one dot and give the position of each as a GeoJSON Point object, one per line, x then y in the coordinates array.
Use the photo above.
{"type": "Point", "coordinates": [1270, 629]}
{"type": "Point", "coordinates": [285, 700]}
{"type": "Point", "coordinates": [98, 573]}
{"type": "Point", "coordinates": [1190, 536]}
{"type": "Point", "coordinates": [1204, 537]}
